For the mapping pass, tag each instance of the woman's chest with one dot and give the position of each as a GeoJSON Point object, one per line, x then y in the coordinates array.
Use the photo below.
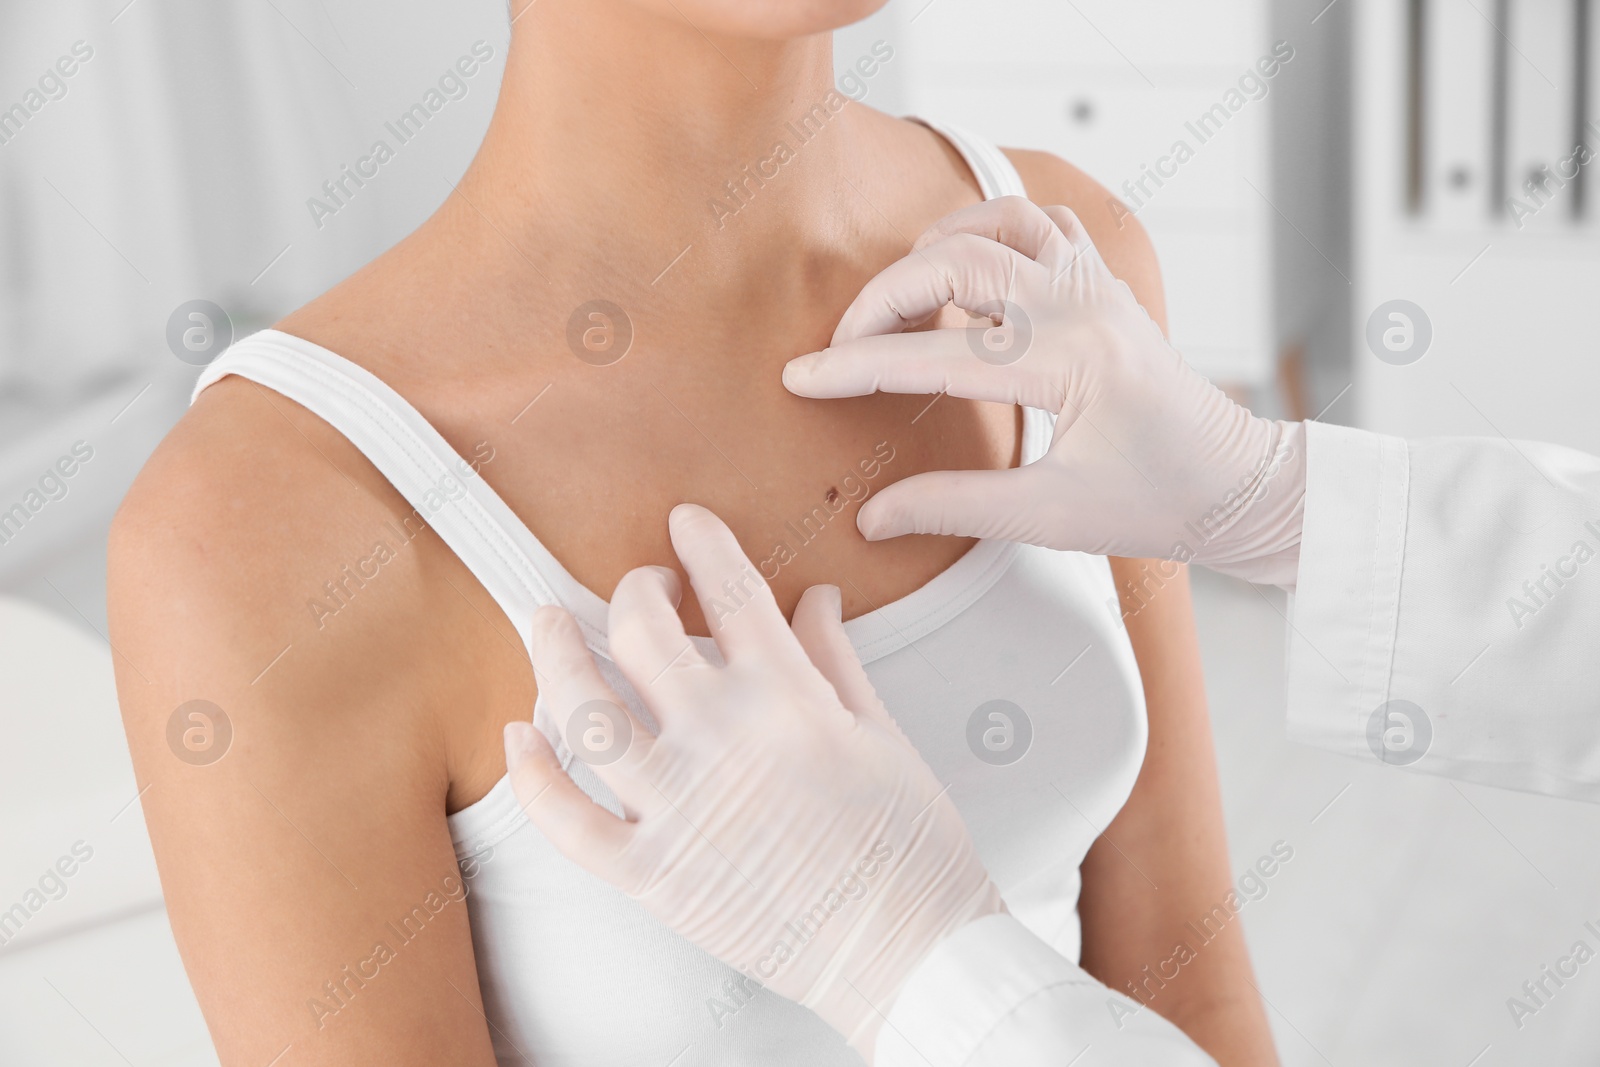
{"type": "Point", "coordinates": [594, 479]}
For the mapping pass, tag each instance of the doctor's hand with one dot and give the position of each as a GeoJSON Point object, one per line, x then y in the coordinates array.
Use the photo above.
{"type": "Point", "coordinates": [779, 819]}
{"type": "Point", "coordinates": [1148, 459]}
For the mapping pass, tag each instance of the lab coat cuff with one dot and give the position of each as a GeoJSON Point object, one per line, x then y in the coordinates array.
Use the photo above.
{"type": "Point", "coordinates": [966, 988]}
{"type": "Point", "coordinates": [1346, 605]}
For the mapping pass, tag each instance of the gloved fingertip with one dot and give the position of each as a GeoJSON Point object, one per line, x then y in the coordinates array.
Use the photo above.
{"type": "Point", "coordinates": [519, 742]}
{"type": "Point", "coordinates": [694, 519]}
{"type": "Point", "coordinates": [798, 371]}
{"type": "Point", "coordinates": [874, 524]}
{"type": "Point", "coordinates": [546, 616]}
{"type": "Point", "coordinates": [682, 513]}
{"type": "Point", "coordinates": [819, 603]}
{"type": "Point", "coordinates": [672, 583]}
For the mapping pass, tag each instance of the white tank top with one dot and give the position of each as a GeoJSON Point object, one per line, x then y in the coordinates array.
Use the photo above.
{"type": "Point", "coordinates": [576, 974]}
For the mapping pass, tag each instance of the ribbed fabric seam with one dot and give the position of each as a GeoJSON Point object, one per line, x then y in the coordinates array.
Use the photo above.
{"type": "Point", "coordinates": [502, 816]}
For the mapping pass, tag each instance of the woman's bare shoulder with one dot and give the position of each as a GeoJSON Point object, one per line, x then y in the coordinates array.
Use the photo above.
{"type": "Point", "coordinates": [237, 541]}
{"type": "Point", "coordinates": [261, 560]}
{"type": "Point", "coordinates": [245, 485]}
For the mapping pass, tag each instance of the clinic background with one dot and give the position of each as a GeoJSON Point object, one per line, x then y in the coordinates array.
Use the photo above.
{"type": "Point", "coordinates": [1379, 163]}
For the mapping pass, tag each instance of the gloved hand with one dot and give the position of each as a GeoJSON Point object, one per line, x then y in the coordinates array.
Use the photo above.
{"type": "Point", "coordinates": [780, 820]}
{"type": "Point", "coordinates": [1148, 459]}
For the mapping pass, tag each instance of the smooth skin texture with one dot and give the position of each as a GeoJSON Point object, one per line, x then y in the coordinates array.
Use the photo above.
{"type": "Point", "coordinates": [357, 730]}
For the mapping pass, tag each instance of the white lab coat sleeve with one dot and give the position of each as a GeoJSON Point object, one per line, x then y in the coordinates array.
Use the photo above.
{"type": "Point", "coordinates": [1446, 613]}
{"type": "Point", "coordinates": [995, 995]}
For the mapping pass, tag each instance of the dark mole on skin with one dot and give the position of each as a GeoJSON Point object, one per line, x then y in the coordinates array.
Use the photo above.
{"type": "Point", "coordinates": [833, 494]}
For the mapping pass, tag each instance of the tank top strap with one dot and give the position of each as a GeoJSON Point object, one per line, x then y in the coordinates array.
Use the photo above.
{"type": "Point", "coordinates": [444, 488]}
{"type": "Point", "coordinates": [994, 172]}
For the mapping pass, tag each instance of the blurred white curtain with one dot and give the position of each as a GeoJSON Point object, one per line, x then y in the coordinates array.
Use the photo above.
{"type": "Point", "coordinates": [178, 163]}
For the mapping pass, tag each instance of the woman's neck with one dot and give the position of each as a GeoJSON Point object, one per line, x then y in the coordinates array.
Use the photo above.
{"type": "Point", "coordinates": [637, 138]}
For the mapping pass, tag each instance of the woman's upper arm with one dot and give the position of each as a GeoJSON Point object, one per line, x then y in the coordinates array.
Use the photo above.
{"type": "Point", "coordinates": [1168, 866]}
{"type": "Point", "coordinates": [305, 860]}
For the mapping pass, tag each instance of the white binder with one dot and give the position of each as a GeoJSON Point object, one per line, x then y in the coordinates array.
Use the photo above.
{"type": "Point", "coordinates": [1540, 164]}
{"type": "Point", "coordinates": [1457, 113]}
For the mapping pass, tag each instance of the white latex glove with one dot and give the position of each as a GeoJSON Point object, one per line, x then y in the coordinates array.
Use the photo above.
{"type": "Point", "coordinates": [1149, 458]}
{"type": "Point", "coordinates": [779, 805]}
